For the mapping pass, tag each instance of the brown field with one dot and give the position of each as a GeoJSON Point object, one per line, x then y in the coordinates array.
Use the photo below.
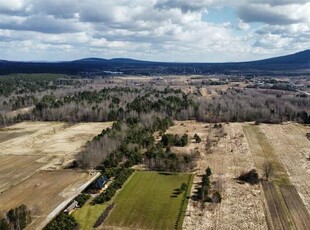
{"type": "Point", "coordinates": [48, 138]}
{"type": "Point", "coordinates": [296, 206]}
{"type": "Point", "coordinates": [292, 148]}
{"type": "Point", "coordinates": [286, 147]}
{"type": "Point", "coordinates": [14, 169]}
{"type": "Point", "coordinates": [242, 205]}
{"type": "Point", "coordinates": [276, 210]}
{"type": "Point", "coordinates": [43, 192]}
{"type": "Point", "coordinates": [26, 150]}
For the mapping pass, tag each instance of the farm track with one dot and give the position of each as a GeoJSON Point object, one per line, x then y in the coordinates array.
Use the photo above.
{"type": "Point", "coordinates": [296, 207]}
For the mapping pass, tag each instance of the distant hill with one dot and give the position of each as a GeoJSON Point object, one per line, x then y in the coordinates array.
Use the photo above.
{"type": "Point", "coordinates": [293, 64]}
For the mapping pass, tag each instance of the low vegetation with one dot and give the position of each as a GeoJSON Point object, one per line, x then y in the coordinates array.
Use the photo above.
{"type": "Point", "coordinates": [16, 218]}
{"type": "Point", "coordinates": [64, 222]}
{"type": "Point", "coordinates": [250, 177]}
{"type": "Point", "coordinates": [150, 200]}
{"type": "Point", "coordinates": [82, 199]}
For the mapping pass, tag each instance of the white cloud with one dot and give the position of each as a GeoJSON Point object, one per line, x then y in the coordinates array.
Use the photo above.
{"type": "Point", "coordinates": [11, 5]}
{"type": "Point", "coordinates": [153, 29]}
{"type": "Point", "coordinates": [242, 25]}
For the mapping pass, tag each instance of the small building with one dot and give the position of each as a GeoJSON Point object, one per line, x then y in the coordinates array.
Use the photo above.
{"type": "Point", "coordinates": [71, 207]}
{"type": "Point", "coordinates": [98, 185]}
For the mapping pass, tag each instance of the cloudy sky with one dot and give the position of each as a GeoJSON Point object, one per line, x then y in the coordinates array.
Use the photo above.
{"type": "Point", "coordinates": [159, 30]}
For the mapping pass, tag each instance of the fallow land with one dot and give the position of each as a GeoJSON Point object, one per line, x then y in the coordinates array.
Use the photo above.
{"type": "Point", "coordinates": [32, 158]}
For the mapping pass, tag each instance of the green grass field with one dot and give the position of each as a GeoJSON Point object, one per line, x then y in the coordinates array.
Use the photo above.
{"type": "Point", "coordinates": [88, 215]}
{"type": "Point", "coordinates": [148, 201]}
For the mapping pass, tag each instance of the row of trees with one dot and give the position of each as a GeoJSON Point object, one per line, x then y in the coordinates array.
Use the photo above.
{"type": "Point", "coordinates": [119, 179]}
{"type": "Point", "coordinates": [64, 222]}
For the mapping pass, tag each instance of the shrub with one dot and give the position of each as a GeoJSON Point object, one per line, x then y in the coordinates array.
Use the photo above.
{"type": "Point", "coordinates": [82, 199]}
{"type": "Point", "coordinates": [197, 138]}
{"type": "Point", "coordinates": [250, 177]}
{"type": "Point", "coordinates": [62, 222]}
{"type": "Point", "coordinates": [216, 197]}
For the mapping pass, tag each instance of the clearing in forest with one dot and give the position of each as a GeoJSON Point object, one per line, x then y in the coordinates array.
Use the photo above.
{"type": "Point", "coordinates": [150, 201]}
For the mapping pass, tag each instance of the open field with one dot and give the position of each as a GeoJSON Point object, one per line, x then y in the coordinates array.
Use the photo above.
{"type": "Point", "coordinates": [43, 192]}
{"type": "Point", "coordinates": [147, 201]}
{"type": "Point", "coordinates": [48, 138]}
{"type": "Point", "coordinates": [26, 150]}
{"type": "Point", "coordinates": [292, 148]}
{"type": "Point", "coordinates": [88, 215]}
{"type": "Point", "coordinates": [242, 204]}
{"type": "Point", "coordinates": [28, 147]}
{"type": "Point", "coordinates": [14, 169]}
{"type": "Point", "coordinates": [285, 147]}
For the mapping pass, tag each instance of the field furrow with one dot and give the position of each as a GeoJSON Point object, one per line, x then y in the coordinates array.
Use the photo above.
{"type": "Point", "coordinates": [296, 207]}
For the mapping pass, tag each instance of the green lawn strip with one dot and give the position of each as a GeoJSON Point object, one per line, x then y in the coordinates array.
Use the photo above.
{"type": "Point", "coordinates": [147, 201]}
{"type": "Point", "coordinates": [88, 215]}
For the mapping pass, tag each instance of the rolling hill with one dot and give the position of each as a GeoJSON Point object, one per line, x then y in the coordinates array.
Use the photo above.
{"type": "Point", "coordinates": [298, 63]}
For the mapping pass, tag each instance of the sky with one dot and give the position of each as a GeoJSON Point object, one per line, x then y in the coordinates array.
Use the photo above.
{"type": "Point", "coordinates": [157, 30]}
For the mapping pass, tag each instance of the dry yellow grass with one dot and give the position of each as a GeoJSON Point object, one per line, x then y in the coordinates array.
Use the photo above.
{"type": "Point", "coordinates": [285, 147]}
{"type": "Point", "coordinates": [49, 138]}
{"type": "Point", "coordinates": [242, 204]}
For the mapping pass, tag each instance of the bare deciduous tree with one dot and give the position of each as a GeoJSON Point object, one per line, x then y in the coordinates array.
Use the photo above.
{"type": "Point", "coordinates": [267, 169]}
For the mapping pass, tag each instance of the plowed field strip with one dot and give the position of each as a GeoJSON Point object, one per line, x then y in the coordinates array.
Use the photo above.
{"type": "Point", "coordinates": [296, 207]}
{"type": "Point", "coordinates": [277, 211]}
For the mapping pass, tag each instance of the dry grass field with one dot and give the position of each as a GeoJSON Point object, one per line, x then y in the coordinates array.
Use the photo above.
{"type": "Point", "coordinates": [43, 192]}
{"type": "Point", "coordinates": [32, 156]}
{"type": "Point", "coordinates": [14, 169]}
{"type": "Point", "coordinates": [48, 138]}
{"type": "Point", "coordinates": [285, 147]}
{"type": "Point", "coordinates": [292, 148]}
{"type": "Point", "coordinates": [242, 204]}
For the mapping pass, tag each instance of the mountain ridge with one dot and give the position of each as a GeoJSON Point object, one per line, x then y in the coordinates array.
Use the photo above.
{"type": "Point", "coordinates": [299, 61]}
